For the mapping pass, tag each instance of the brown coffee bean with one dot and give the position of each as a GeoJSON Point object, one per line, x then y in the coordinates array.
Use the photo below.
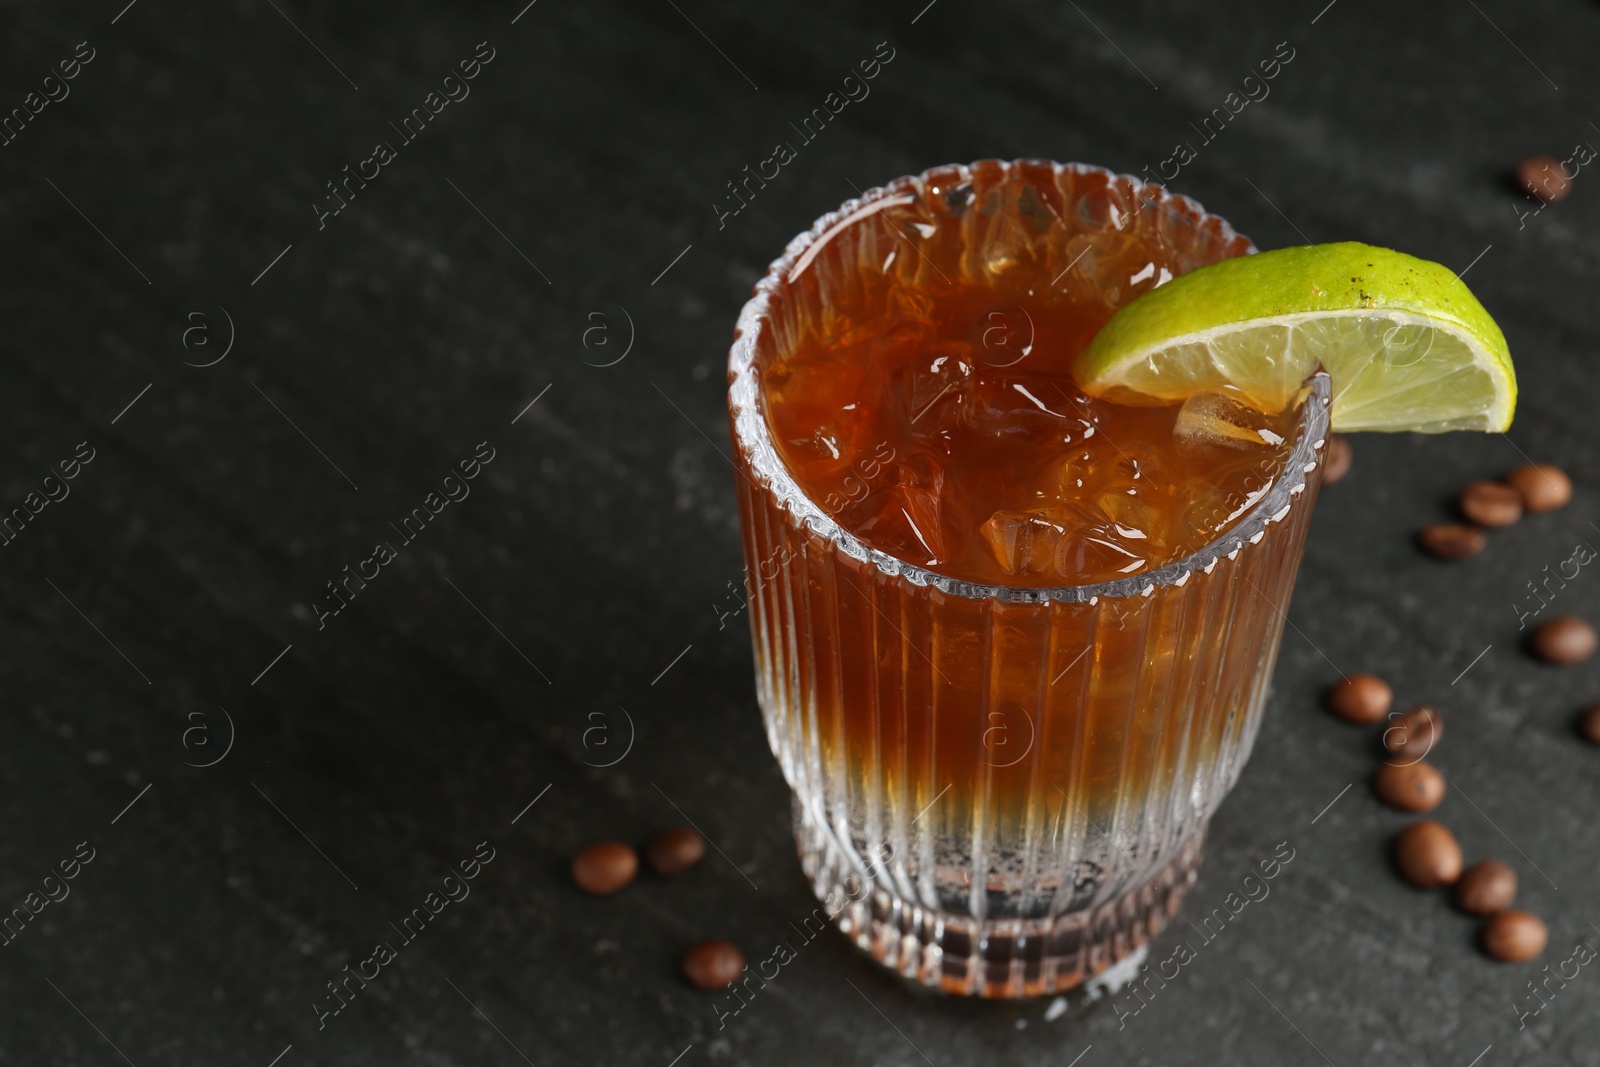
{"type": "Point", "coordinates": [1543, 487]}
{"type": "Point", "coordinates": [1490, 504]}
{"type": "Point", "coordinates": [1409, 786]}
{"type": "Point", "coordinates": [714, 964]}
{"type": "Point", "coordinates": [1543, 178]}
{"type": "Point", "coordinates": [1515, 936]}
{"type": "Point", "coordinates": [1564, 639]}
{"type": "Point", "coordinates": [1427, 855]}
{"type": "Point", "coordinates": [1360, 698]}
{"type": "Point", "coordinates": [1451, 540]}
{"type": "Point", "coordinates": [1336, 461]}
{"type": "Point", "coordinates": [1414, 734]}
{"type": "Point", "coordinates": [604, 867]}
{"type": "Point", "coordinates": [1486, 887]}
{"type": "Point", "coordinates": [1589, 724]}
{"type": "Point", "coordinates": [674, 851]}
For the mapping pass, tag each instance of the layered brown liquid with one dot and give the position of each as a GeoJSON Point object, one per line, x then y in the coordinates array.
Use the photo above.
{"type": "Point", "coordinates": [1010, 752]}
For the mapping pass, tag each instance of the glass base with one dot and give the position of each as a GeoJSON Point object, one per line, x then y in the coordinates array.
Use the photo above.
{"type": "Point", "coordinates": [997, 958]}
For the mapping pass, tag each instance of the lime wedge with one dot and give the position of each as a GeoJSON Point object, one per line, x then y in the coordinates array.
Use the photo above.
{"type": "Point", "coordinates": [1406, 343]}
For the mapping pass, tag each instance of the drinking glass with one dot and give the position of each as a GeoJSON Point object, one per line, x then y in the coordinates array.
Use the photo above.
{"type": "Point", "coordinates": [1002, 791]}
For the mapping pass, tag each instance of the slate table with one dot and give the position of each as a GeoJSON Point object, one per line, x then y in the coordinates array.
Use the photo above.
{"type": "Point", "coordinates": [254, 782]}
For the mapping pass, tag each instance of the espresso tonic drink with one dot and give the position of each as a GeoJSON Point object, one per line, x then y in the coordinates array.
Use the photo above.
{"type": "Point", "coordinates": [1012, 641]}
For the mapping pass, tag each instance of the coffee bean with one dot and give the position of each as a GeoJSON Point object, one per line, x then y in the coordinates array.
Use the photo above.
{"type": "Point", "coordinates": [674, 851]}
{"type": "Point", "coordinates": [1589, 724]}
{"type": "Point", "coordinates": [604, 867]}
{"type": "Point", "coordinates": [1427, 855]}
{"type": "Point", "coordinates": [1490, 504]}
{"type": "Point", "coordinates": [1336, 461]}
{"type": "Point", "coordinates": [1451, 540]}
{"type": "Point", "coordinates": [712, 965]}
{"type": "Point", "coordinates": [1541, 177]}
{"type": "Point", "coordinates": [1543, 487]}
{"type": "Point", "coordinates": [1564, 639]}
{"type": "Point", "coordinates": [1515, 936]}
{"type": "Point", "coordinates": [1414, 734]}
{"type": "Point", "coordinates": [1486, 887]}
{"type": "Point", "coordinates": [1409, 786]}
{"type": "Point", "coordinates": [1360, 698]}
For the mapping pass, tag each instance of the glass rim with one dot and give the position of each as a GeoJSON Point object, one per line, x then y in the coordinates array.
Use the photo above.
{"type": "Point", "coordinates": [752, 435]}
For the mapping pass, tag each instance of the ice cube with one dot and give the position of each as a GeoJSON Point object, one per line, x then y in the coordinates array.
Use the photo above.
{"type": "Point", "coordinates": [1024, 542]}
{"type": "Point", "coordinates": [1005, 246]}
{"type": "Point", "coordinates": [1126, 498]}
{"type": "Point", "coordinates": [903, 513]}
{"type": "Point", "coordinates": [1020, 405]}
{"type": "Point", "coordinates": [934, 383]}
{"type": "Point", "coordinates": [1099, 553]}
{"type": "Point", "coordinates": [1064, 542]}
{"type": "Point", "coordinates": [844, 439]}
{"type": "Point", "coordinates": [1214, 502]}
{"type": "Point", "coordinates": [1113, 263]}
{"type": "Point", "coordinates": [824, 410]}
{"type": "Point", "coordinates": [1218, 420]}
{"type": "Point", "coordinates": [905, 522]}
{"type": "Point", "coordinates": [1134, 515]}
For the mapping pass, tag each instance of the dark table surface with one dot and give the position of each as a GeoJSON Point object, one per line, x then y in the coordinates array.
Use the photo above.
{"type": "Point", "coordinates": [264, 389]}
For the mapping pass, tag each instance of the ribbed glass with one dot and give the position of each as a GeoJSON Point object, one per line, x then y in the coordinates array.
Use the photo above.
{"type": "Point", "coordinates": [1002, 791]}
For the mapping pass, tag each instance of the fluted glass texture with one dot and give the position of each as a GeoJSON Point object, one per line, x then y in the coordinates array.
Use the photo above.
{"type": "Point", "coordinates": [1002, 791]}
